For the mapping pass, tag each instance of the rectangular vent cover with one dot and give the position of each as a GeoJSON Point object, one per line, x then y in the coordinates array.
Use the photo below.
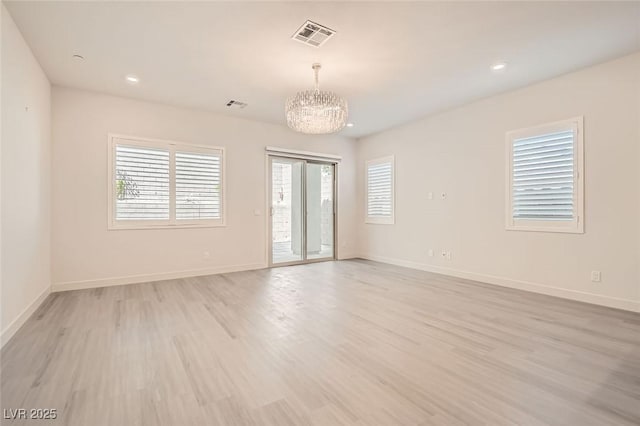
{"type": "Point", "coordinates": [236, 104]}
{"type": "Point", "coordinates": [313, 34]}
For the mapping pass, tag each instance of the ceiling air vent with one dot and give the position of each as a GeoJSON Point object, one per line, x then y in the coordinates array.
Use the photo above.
{"type": "Point", "coordinates": [236, 104]}
{"type": "Point", "coordinates": [313, 34]}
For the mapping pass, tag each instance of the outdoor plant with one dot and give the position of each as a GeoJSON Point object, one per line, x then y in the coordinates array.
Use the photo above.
{"type": "Point", "coordinates": [126, 187]}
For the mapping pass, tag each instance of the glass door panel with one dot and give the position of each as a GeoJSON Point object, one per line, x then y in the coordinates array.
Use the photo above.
{"type": "Point", "coordinates": [287, 201]}
{"type": "Point", "coordinates": [319, 185]}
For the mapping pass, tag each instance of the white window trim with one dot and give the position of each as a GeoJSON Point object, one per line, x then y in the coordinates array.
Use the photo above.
{"type": "Point", "coordinates": [380, 220]}
{"type": "Point", "coordinates": [172, 222]}
{"type": "Point", "coordinates": [575, 226]}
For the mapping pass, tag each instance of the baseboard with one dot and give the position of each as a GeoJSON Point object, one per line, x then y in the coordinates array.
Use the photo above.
{"type": "Point", "coordinates": [142, 278]}
{"type": "Point", "coordinates": [15, 325]}
{"type": "Point", "coordinates": [346, 256]}
{"type": "Point", "coordinates": [596, 299]}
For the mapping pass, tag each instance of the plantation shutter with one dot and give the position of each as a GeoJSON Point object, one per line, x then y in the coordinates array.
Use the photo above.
{"type": "Point", "coordinates": [380, 189]}
{"type": "Point", "coordinates": [543, 176]}
{"type": "Point", "coordinates": [198, 185]}
{"type": "Point", "coordinates": [141, 183]}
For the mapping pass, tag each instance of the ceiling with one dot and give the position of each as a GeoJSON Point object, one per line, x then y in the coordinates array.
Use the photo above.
{"type": "Point", "coordinates": [393, 61]}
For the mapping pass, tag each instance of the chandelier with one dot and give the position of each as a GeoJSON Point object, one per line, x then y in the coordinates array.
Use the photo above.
{"type": "Point", "coordinates": [316, 111]}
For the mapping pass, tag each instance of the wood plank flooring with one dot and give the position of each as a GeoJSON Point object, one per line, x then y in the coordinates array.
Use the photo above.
{"type": "Point", "coordinates": [335, 343]}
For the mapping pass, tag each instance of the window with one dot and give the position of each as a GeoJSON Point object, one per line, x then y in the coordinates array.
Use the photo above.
{"type": "Point", "coordinates": [545, 178]}
{"type": "Point", "coordinates": [198, 180]}
{"type": "Point", "coordinates": [141, 183]}
{"type": "Point", "coordinates": [380, 191]}
{"type": "Point", "coordinates": [164, 184]}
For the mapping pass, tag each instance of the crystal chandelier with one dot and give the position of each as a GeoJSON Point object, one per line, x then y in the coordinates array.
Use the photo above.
{"type": "Point", "coordinates": [316, 111]}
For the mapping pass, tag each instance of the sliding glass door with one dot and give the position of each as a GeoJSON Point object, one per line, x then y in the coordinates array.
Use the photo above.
{"type": "Point", "coordinates": [302, 210]}
{"type": "Point", "coordinates": [320, 208]}
{"type": "Point", "coordinates": [287, 204]}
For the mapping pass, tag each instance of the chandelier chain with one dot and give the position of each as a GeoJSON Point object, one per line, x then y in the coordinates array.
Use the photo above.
{"type": "Point", "coordinates": [316, 71]}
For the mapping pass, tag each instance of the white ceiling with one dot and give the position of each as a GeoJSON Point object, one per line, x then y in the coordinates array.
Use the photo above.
{"type": "Point", "coordinates": [393, 61]}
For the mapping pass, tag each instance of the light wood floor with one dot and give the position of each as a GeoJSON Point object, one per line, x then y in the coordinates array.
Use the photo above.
{"type": "Point", "coordinates": [336, 343]}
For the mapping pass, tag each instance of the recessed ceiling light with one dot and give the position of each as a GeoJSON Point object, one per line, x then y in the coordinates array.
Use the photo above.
{"type": "Point", "coordinates": [132, 79]}
{"type": "Point", "coordinates": [349, 124]}
{"type": "Point", "coordinates": [499, 66]}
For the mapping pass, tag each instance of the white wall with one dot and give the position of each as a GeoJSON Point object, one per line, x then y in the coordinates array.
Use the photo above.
{"type": "Point", "coordinates": [462, 152]}
{"type": "Point", "coordinates": [25, 180]}
{"type": "Point", "coordinates": [85, 253]}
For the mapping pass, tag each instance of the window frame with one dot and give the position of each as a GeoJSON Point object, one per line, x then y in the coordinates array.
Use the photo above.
{"type": "Point", "coordinates": [376, 220]}
{"type": "Point", "coordinates": [575, 226]}
{"type": "Point", "coordinates": [171, 147]}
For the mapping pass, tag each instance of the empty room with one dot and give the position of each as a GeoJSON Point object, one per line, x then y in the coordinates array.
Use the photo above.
{"type": "Point", "coordinates": [320, 213]}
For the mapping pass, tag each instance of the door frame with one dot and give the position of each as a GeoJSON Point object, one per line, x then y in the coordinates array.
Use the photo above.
{"type": "Point", "coordinates": [269, 173]}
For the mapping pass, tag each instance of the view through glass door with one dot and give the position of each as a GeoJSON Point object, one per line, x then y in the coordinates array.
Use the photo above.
{"type": "Point", "coordinates": [302, 211]}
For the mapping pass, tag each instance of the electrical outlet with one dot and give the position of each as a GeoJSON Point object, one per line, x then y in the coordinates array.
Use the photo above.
{"type": "Point", "coordinates": [430, 253]}
{"type": "Point", "coordinates": [430, 196]}
{"type": "Point", "coordinates": [448, 255]}
{"type": "Point", "coordinates": [443, 254]}
{"type": "Point", "coordinates": [596, 276]}
{"type": "Point", "coordinates": [443, 196]}
{"type": "Point", "coordinates": [206, 255]}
